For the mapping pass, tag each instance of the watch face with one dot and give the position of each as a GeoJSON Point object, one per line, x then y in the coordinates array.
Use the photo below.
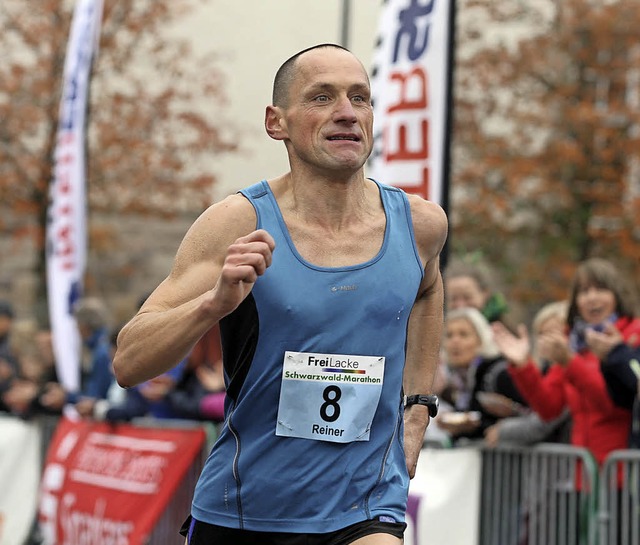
{"type": "Point", "coordinates": [434, 403]}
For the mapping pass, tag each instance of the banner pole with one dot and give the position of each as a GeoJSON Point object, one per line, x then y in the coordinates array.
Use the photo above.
{"type": "Point", "coordinates": [345, 23]}
{"type": "Point", "coordinates": [446, 160]}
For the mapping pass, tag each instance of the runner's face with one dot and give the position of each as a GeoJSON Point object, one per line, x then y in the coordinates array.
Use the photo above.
{"type": "Point", "coordinates": [329, 118]}
{"type": "Point", "coordinates": [461, 342]}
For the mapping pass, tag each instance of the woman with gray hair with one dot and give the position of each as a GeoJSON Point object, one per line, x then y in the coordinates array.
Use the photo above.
{"type": "Point", "coordinates": [487, 348]}
{"type": "Point", "coordinates": [475, 367]}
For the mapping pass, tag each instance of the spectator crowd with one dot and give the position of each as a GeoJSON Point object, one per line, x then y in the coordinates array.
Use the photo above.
{"type": "Point", "coordinates": [571, 376]}
{"type": "Point", "coordinates": [29, 383]}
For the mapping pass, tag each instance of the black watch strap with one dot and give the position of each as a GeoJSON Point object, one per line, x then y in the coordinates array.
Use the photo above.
{"type": "Point", "coordinates": [428, 400]}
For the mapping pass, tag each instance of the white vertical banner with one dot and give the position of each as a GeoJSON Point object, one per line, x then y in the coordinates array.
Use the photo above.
{"type": "Point", "coordinates": [66, 220]}
{"type": "Point", "coordinates": [411, 80]}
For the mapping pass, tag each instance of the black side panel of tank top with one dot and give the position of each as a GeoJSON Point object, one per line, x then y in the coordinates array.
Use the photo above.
{"type": "Point", "coordinates": [239, 337]}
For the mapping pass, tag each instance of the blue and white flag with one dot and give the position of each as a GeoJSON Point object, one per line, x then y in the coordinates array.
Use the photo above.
{"type": "Point", "coordinates": [66, 222]}
{"type": "Point", "coordinates": [411, 87]}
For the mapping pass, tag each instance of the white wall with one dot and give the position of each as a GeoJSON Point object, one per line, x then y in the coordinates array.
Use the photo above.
{"type": "Point", "coordinates": [253, 38]}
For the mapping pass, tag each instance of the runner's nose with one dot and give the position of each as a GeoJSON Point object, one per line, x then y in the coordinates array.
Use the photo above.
{"type": "Point", "coordinates": [344, 111]}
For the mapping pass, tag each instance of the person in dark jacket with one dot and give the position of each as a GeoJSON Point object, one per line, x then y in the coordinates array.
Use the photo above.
{"type": "Point", "coordinates": [475, 367]}
{"type": "Point", "coordinates": [620, 366]}
{"type": "Point", "coordinates": [149, 399]}
{"type": "Point", "coordinates": [96, 376]}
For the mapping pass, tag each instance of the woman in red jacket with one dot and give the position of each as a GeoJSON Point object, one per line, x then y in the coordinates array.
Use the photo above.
{"type": "Point", "coordinates": [598, 296]}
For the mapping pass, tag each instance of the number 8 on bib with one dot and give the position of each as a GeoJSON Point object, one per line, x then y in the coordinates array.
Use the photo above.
{"type": "Point", "coordinates": [329, 397]}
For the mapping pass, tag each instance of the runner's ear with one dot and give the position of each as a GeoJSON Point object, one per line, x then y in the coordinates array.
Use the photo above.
{"type": "Point", "coordinates": [274, 123]}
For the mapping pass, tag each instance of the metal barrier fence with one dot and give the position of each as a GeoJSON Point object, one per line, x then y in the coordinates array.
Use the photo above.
{"type": "Point", "coordinates": [619, 508]}
{"type": "Point", "coordinates": [541, 495]}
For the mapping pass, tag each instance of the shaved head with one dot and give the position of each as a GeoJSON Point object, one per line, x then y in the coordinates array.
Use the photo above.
{"type": "Point", "coordinates": [287, 72]}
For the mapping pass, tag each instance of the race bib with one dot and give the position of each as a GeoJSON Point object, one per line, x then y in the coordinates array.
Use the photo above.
{"type": "Point", "coordinates": [329, 397]}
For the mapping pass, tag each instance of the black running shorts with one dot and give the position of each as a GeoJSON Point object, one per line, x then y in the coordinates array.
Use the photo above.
{"type": "Point", "coordinates": [201, 533]}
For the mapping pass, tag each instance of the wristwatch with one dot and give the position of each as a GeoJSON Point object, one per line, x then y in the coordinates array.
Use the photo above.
{"type": "Point", "coordinates": [429, 400]}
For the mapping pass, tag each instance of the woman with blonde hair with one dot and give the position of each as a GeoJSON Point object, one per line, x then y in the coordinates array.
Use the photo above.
{"type": "Point", "coordinates": [528, 428]}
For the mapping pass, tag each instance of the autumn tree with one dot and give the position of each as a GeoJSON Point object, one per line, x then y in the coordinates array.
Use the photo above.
{"type": "Point", "coordinates": [547, 128]}
{"type": "Point", "coordinates": [154, 117]}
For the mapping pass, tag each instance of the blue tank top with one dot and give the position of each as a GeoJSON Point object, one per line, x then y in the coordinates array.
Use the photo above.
{"type": "Point", "coordinates": [307, 349]}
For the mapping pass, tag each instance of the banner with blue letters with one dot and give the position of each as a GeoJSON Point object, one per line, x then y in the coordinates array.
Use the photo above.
{"type": "Point", "coordinates": [66, 221]}
{"type": "Point", "coordinates": [411, 88]}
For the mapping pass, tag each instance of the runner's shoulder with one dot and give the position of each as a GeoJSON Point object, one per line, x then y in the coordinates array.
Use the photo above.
{"type": "Point", "coordinates": [429, 218]}
{"type": "Point", "coordinates": [220, 225]}
{"type": "Point", "coordinates": [231, 218]}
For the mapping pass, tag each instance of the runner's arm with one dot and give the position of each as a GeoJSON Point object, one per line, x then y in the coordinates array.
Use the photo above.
{"type": "Point", "coordinates": [425, 324]}
{"type": "Point", "coordinates": [215, 268]}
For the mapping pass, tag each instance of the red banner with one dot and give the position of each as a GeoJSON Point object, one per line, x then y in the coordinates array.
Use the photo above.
{"type": "Point", "coordinates": [105, 484]}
